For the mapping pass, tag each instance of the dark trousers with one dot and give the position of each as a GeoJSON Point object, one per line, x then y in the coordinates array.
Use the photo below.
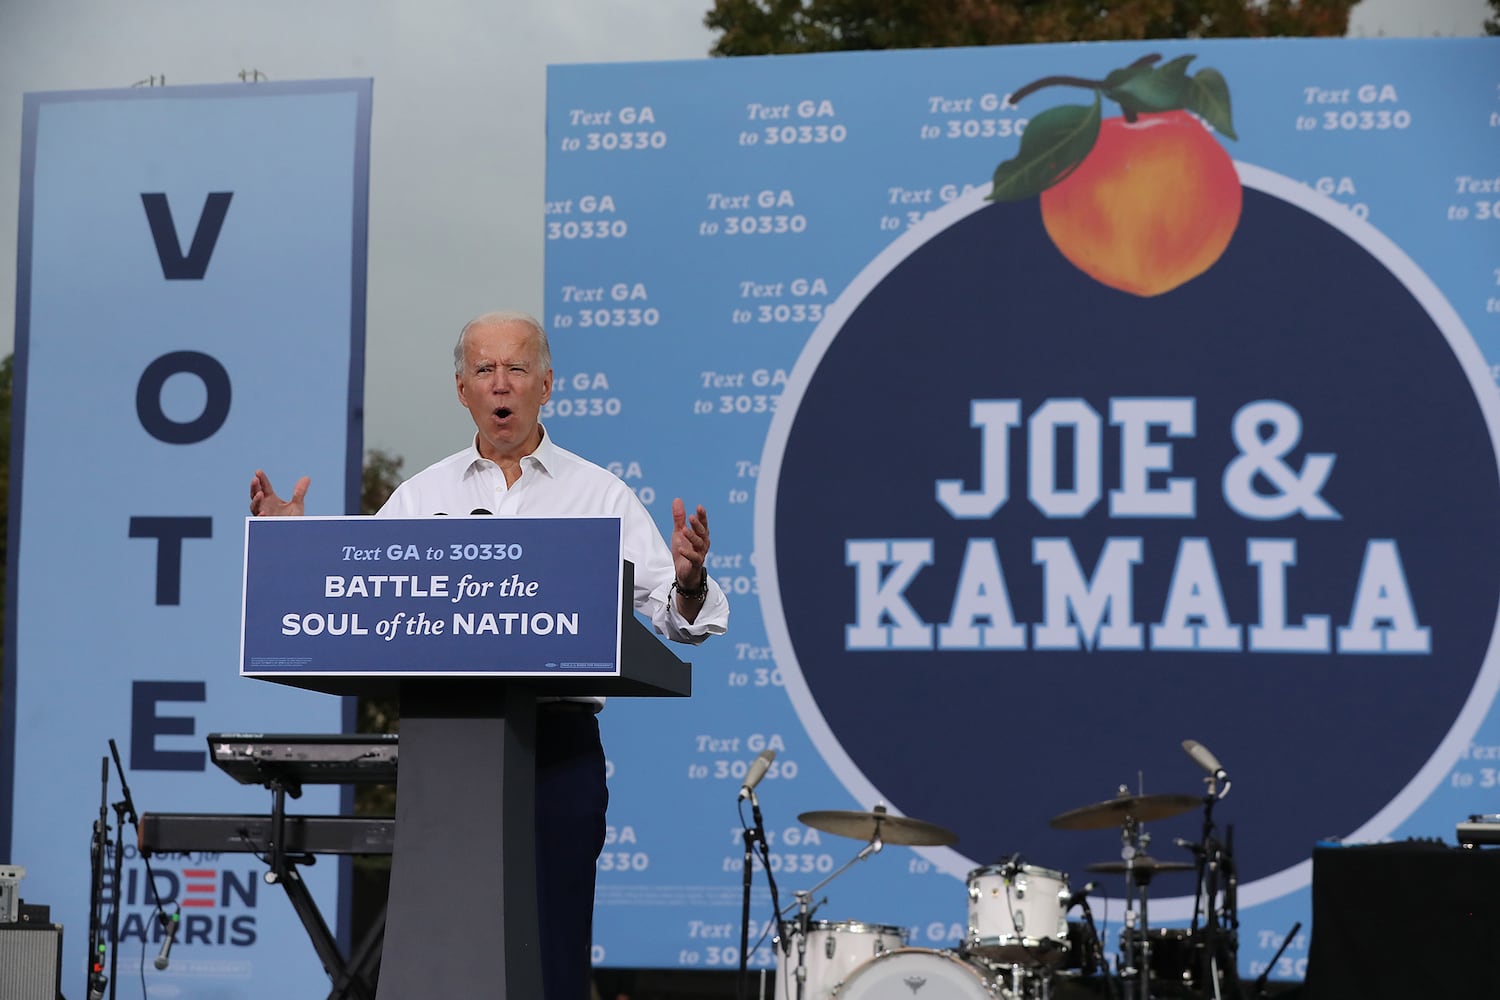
{"type": "Point", "coordinates": [571, 799]}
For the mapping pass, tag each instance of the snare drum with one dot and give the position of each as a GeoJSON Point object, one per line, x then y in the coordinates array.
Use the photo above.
{"type": "Point", "coordinates": [1018, 913]}
{"type": "Point", "coordinates": [920, 972]}
{"type": "Point", "coordinates": [834, 949]}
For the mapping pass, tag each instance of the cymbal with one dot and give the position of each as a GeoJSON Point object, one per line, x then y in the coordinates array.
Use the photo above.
{"type": "Point", "coordinates": [1113, 812]}
{"type": "Point", "coordinates": [900, 830]}
{"type": "Point", "coordinates": [1143, 866]}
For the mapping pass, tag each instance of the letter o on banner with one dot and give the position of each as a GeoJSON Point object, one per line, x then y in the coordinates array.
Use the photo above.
{"type": "Point", "coordinates": [215, 408]}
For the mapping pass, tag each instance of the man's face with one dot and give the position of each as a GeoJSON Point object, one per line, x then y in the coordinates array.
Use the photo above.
{"type": "Point", "coordinates": [503, 388]}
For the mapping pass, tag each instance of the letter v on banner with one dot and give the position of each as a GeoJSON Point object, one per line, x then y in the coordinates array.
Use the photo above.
{"type": "Point", "coordinates": [174, 265]}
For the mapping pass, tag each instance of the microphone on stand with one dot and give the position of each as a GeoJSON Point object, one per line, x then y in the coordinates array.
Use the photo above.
{"type": "Point", "coordinates": [1210, 764]}
{"type": "Point", "coordinates": [758, 769]}
{"type": "Point", "coordinates": [1080, 896]}
{"type": "Point", "coordinates": [162, 958]}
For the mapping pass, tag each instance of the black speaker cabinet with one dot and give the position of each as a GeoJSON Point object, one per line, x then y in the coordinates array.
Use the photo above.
{"type": "Point", "coordinates": [30, 961]}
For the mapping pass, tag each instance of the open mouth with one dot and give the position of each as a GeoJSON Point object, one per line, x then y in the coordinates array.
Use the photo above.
{"type": "Point", "coordinates": [502, 412]}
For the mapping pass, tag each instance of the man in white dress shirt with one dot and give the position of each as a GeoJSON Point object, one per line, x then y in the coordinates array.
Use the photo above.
{"type": "Point", "coordinates": [503, 374]}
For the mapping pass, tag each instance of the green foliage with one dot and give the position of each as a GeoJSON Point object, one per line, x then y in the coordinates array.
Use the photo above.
{"type": "Point", "coordinates": [379, 479]}
{"type": "Point", "coordinates": [770, 27]}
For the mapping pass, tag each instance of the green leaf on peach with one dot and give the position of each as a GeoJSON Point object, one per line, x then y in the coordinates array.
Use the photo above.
{"type": "Point", "coordinates": [1208, 98]}
{"type": "Point", "coordinates": [1053, 145]}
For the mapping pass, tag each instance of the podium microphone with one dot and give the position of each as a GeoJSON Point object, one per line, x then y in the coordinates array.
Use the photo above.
{"type": "Point", "coordinates": [162, 958]}
{"type": "Point", "coordinates": [758, 768]}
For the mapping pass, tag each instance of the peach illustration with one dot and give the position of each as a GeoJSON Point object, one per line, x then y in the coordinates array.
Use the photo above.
{"type": "Point", "coordinates": [1151, 206]}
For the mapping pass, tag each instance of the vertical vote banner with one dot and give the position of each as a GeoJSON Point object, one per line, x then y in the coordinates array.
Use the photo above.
{"type": "Point", "coordinates": [1053, 406]}
{"type": "Point", "coordinates": [190, 306]}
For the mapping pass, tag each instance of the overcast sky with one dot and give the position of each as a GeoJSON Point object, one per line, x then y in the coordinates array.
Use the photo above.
{"type": "Point", "coordinates": [457, 157]}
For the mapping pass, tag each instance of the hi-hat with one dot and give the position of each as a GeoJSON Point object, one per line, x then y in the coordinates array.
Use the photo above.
{"type": "Point", "coordinates": [901, 830]}
{"type": "Point", "coordinates": [1113, 812]}
{"type": "Point", "coordinates": [1142, 866]}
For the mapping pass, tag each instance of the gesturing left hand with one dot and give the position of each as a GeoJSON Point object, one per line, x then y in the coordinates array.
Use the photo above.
{"type": "Point", "coordinates": [689, 545]}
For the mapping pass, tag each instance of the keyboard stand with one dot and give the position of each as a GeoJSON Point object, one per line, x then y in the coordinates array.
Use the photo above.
{"type": "Point", "coordinates": [355, 984]}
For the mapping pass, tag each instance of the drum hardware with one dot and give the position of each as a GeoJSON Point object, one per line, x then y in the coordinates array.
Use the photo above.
{"type": "Point", "coordinates": [1129, 812]}
{"type": "Point", "coordinates": [877, 828]}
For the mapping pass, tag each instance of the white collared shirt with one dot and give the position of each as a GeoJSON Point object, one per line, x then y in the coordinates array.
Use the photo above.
{"type": "Point", "coordinates": [557, 483]}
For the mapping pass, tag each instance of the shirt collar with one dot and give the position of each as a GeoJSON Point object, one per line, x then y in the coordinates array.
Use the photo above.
{"type": "Point", "coordinates": [544, 456]}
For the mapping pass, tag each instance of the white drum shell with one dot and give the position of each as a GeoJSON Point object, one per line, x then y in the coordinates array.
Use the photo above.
{"type": "Point", "coordinates": [1017, 913]}
{"type": "Point", "coordinates": [834, 950]}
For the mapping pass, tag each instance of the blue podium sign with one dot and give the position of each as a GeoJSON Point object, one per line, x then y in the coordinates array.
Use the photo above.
{"type": "Point", "coordinates": [431, 597]}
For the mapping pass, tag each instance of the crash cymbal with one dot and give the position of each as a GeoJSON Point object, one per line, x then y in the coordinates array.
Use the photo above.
{"type": "Point", "coordinates": [900, 830]}
{"type": "Point", "coordinates": [1143, 866]}
{"type": "Point", "coordinates": [1113, 812]}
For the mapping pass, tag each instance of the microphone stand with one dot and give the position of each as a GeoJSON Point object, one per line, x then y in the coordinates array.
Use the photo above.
{"type": "Point", "coordinates": [754, 835]}
{"type": "Point", "coordinates": [1099, 959]}
{"type": "Point", "coordinates": [1261, 980]}
{"type": "Point", "coordinates": [765, 850]}
{"type": "Point", "coordinates": [125, 814]}
{"type": "Point", "coordinates": [750, 835]}
{"type": "Point", "coordinates": [99, 845]}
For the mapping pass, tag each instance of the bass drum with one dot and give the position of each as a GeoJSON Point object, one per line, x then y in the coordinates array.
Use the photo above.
{"type": "Point", "coordinates": [922, 973]}
{"type": "Point", "coordinates": [834, 949]}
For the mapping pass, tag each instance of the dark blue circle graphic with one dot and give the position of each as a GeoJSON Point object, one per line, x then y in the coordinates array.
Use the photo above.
{"type": "Point", "coordinates": [993, 744]}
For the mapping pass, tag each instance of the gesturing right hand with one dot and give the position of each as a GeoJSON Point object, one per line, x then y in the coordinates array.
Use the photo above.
{"type": "Point", "coordinates": [265, 503]}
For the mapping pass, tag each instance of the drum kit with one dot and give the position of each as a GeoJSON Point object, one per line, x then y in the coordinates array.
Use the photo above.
{"type": "Point", "coordinates": [1020, 944]}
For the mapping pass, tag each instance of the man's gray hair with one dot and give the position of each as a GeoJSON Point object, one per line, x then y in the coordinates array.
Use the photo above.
{"type": "Point", "coordinates": [544, 349]}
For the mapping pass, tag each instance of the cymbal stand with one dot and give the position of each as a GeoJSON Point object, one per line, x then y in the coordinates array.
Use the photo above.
{"type": "Point", "coordinates": [1136, 952]}
{"type": "Point", "coordinates": [1227, 952]}
{"type": "Point", "coordinates": [805, 910]}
